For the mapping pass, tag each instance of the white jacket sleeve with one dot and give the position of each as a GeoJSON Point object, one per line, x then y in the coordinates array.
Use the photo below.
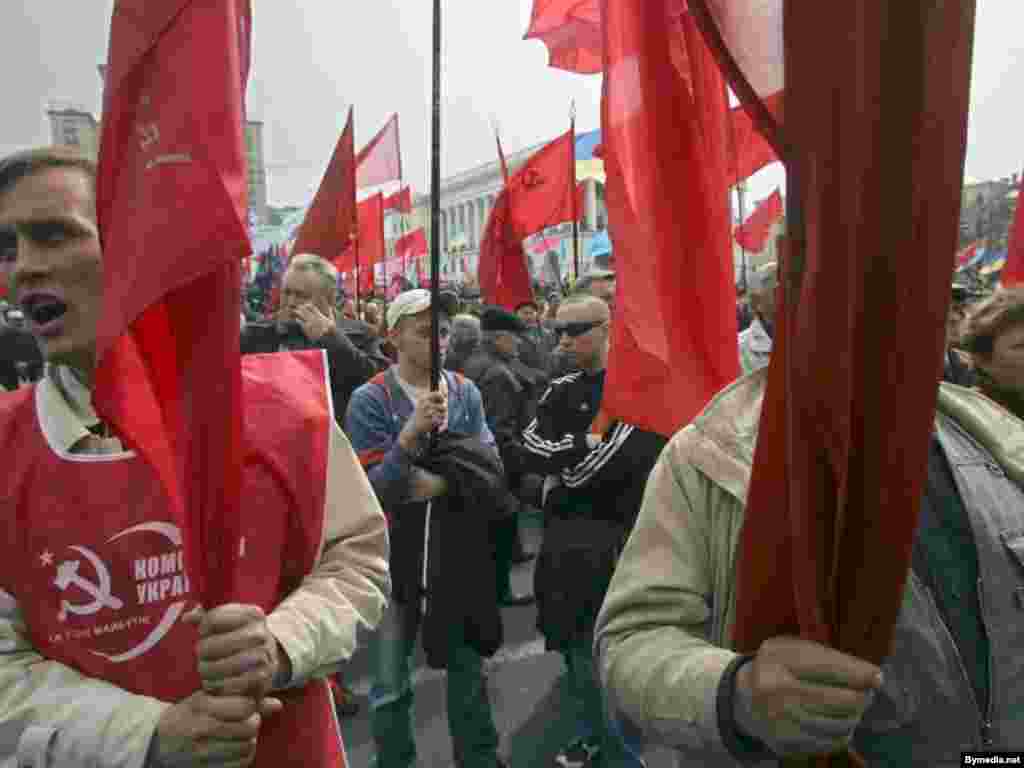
{"type": "Point", "coordinates": [51, 716]}
{"type": "Point", "coordinates": [350, 584]}
{"type": "Point", "coordinates": [653, 635]}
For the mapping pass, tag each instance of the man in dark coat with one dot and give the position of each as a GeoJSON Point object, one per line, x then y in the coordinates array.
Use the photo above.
{"type": "Point", "coordinates": [307, 320]}
{"type": "Point", "coordinates": [508, 403]}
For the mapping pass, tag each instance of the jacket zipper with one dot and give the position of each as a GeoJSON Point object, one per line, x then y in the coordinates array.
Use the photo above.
{"type": "Point", "coordinates": [985, 725]}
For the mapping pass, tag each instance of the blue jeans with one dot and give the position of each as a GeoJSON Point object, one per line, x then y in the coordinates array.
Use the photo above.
{"type": "Point", "coordinates": [470, 722]}
{"type": "Point", "coordinates": [621, 743]}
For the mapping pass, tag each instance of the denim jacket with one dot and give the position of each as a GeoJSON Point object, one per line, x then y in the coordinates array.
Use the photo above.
{"type": "Point", "coordinates": [378, 411]}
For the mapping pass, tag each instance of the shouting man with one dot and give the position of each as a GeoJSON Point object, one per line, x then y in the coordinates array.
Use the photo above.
{"type": "Point", "coordinates": [102, 660]}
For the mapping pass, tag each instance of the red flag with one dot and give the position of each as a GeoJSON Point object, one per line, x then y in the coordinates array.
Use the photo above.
{"type": "Point", "coordinates": [171, 294]}
{"type": "Point", "coordinates": [840, 463]}
{"type": "Point", "coordinates": [380, 161]}
{"type": "Point", "coordinates": [752, 235]}
{"type": "Point", "coordinates": [571, 30]}
{"type": "Point", "coordinates": [748, 46]}
{"type": "Point", "coordinates": [369, 248]}
{"type": "Point", "coordinates": [502, 271]}
{"type": "Point", "coordinates": [401, 201]}
{"type": "Point", "coordinates": [541, 192]}
{"type": "Point", "coordinates": [330, 221]}
{"type": "Point", "coordinates": [1013, 272]}
{"type": "Point", "coordinates": [365, 280]}
{"type": "Point", "coordinates": [411, 246]}
{"type": "Point", "coordinates": [674, 334]}
{"type": "Point", "coordinates": [749, 152]}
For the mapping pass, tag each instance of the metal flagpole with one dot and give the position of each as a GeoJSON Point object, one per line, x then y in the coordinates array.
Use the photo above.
{"type": "Point", "coordinates": [572, 188]}
{"type": "Point", "coordinates": [740, 188]}
{"type": "Point", "coordinates": [357, 279]}
{"type": "Point", "coordinates": [435, 209]}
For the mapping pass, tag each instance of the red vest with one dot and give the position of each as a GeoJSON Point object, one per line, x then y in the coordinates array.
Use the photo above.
{"type": "Point", "coordinates": [89, 551]}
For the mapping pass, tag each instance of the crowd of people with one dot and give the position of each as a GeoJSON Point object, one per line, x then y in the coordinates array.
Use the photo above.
{"type": "Point", "coordinates": [406, 528]}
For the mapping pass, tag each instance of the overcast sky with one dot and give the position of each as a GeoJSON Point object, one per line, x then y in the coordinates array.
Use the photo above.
{"type": "Point", "coordinates": [312, 58]}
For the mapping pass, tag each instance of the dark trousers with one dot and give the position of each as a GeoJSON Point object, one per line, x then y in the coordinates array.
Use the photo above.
{"type": "Point", "coordinates": [470, 721]}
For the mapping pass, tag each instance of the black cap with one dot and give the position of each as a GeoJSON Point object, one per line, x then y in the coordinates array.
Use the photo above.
{"type": "Point", "coordinates": [498, 319]}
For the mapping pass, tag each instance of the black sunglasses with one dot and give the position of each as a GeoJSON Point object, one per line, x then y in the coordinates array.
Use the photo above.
{"type": "Point", "coordinates": [572, 330]}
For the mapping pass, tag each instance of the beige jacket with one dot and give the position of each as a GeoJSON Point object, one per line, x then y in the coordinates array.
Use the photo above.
{"type": "Point", "coordinates": [50, 713]}
{"type": "Point", "coordinates": [665, 629]}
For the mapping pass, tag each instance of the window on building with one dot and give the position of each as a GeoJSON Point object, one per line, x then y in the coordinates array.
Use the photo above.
{"type": "Point", "coordinates": [70, 134]}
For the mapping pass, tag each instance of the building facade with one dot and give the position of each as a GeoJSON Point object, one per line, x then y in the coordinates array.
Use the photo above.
{"type": "Point", "coordinates": [259, 214]}
{"type": "Point", "coordinates": [74, 127]}
{"type": "Point", "coordinates": [71, 126]}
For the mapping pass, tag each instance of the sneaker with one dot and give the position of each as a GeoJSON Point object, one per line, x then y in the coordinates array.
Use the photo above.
{"type": "Point", "coordinates": [579, 754]}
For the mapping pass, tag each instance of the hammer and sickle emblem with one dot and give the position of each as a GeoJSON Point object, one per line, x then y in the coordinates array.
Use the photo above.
{"type": "Point", "coordinates": [532, 179]}
{"type": "Point", "coordinates": [67, 574]}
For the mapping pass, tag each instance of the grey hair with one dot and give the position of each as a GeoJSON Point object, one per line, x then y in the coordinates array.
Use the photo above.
{"type": "Point", "coordinates": [764, 278]}
{"type": "Point", "coordinates": [466, 327]}
{"type": "Point", "coordinates": [327, 272]}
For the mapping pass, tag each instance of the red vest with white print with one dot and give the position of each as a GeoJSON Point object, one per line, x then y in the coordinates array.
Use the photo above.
{"type": "Point", "coordinates": [92, 558]}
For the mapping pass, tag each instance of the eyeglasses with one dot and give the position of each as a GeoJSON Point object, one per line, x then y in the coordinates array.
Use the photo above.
{"type": "Point", "coordinates": [573, 330]}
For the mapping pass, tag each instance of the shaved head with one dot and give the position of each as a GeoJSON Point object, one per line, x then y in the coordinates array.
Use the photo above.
{"type": "Point", "coordinates": [584, 320]}
{"type": "Point", "coordinates": [584, 308]}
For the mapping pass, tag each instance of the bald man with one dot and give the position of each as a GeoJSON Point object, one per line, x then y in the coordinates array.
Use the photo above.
{"type": "Point", "coordinates": [596, 482]}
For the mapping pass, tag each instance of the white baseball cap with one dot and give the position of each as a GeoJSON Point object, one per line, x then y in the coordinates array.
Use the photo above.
{"type": "Point", "coordinates": [418, 300]}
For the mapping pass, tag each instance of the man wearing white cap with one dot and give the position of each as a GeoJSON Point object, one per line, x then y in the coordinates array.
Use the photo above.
{"type": "Point", "coordinates": [389, 422]}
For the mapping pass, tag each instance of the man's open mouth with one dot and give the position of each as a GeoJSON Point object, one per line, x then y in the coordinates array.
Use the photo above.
{"type": "Point", "coordinates": [43, 310]}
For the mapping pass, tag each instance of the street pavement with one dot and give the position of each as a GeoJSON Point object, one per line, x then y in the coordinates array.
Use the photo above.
{"type": "Point", "coordinates": [533, 713]}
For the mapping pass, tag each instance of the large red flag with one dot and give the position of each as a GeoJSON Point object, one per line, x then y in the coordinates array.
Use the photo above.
{"type": "Point", "coordinates": [330, 221]}
{"type": "Point", "coordinates": [752, 235]}
{"type": "Point", "coordinates": [571, 30]}
{"type": "Point", "coordinates": [1013, 272]}
{"type": "Point", "coordinates": [674, 334]}
{"type": "Point", "coordinates": [380, 161]}
{"type": "Point", "coordinates": [542, 191]}
{"type": "Point", "coordinates": [840, 463]}
{"type": "Point", "coordinates": [171, 206]}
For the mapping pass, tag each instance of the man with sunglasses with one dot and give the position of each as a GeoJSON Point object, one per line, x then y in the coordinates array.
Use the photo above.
{"type": "Point", "coordinates": [595, 485]}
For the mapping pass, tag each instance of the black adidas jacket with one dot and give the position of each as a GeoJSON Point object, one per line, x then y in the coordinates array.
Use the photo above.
{"type": "Point", "coordinates": [605, 482]}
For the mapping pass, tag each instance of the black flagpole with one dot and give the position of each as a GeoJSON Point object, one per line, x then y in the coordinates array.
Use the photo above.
{"type": "Point", "coordinates": [575, 212]}
{"type": "Point", "coordinates": [435, 209]}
